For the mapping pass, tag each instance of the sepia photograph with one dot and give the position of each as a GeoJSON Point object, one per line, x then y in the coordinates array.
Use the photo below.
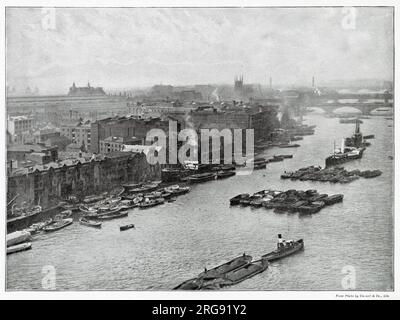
{"type": "Point", "coordinates": [204, 148]}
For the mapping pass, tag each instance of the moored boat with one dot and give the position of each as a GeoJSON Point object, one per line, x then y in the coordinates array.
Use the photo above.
{"type": "Point", "coordinates": [202, 177]}
{"type": "Point", "coordinates": [17, 237]}
{"type": "Point", "coordinates": [144, 188]}
{"type": "Point", "coordinates": [109, 211]}
{"type": "Point", "coordinates": [127, 204]}
{"type": "Point", "coordinates": [19, 247]}
{"type": "Point", "coordinates": [18, 214]}
{"type": "Point", "coordinates": [57, 225]}
{"type": "Point", "coordinates": [70, 206]}
{"type": "Point", "coordinates": [225, 174]}
{"type": "Point", "coordinates": [311, 208]}
{"type": "Point", "coordinates": [151, 203]}
{"type": "Point", "coordinates": [89, 223]}
{"type": "Point", "coordinates": [177, 191]}
{"type": "Point", "coordinates": [36, 227]}
{"type": "Point", "coordinates": [91, 199]}
{"type": "Point", "coordinates": [236, 200]}
{"type": "Point", "coordinates": [333, 199]}
{"type": "Point", "coordinates": [275, 159]}
{"type": "Point", "coordinates": [370, 173]}
{"type": "Point", "coordinates": [131, 185]}
{"type": "Point", "coordinates": [111, 216]}
{"type": "Point", "coordinates": [87, 210]}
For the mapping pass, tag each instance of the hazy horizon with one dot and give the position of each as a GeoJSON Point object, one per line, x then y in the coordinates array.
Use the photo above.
{"type": "Point", "coordinates": [140, 47]}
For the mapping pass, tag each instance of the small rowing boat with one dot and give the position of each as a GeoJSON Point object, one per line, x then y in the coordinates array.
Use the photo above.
{"type": "Point", "coordinates": [19, 247]}
{"type": "Point", "coordinates": [57, 225]}
{"type": "Point", "coordinates": [225, 174]}
{"type": "Point", "coordinates": [90, 223]}
{"type": "Point", "coordinates": [87, 210]}
{"type": "Point", "coordinates": [151, 203]}
{"type": "Point", "coordinates": [112, 216]}
{"type": "Point", "coordinates": [202, 177]}
{"type": "Point", "coordinates": [126, 227]}
{"type": "Point", "coordinates": [17, 237]}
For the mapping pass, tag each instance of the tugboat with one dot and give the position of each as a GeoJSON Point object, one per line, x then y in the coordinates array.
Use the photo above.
{"type": "Point", "coordinates": [284, 249]}
{"type": "Point", "coordinates": [343, 155]}
{"type": "Point", "coordinates": [357, 139]}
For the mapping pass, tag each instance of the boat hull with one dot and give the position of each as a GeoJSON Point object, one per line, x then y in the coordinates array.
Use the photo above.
{"type": "Point", "coordinates": [92, 224]}
{"type": "Point", "coordinates": [273, 256]}
{"type": "Point", "coordinates": [52, 227]}
{"type": "Point", "coordinates": [19, 248]}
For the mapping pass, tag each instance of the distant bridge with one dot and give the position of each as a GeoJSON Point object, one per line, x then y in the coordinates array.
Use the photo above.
{"type": "Point", "coordinates": [365, 108]}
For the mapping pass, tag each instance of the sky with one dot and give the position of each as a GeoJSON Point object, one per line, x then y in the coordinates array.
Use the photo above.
{"type": "Point", "coordinates": [139, 47]}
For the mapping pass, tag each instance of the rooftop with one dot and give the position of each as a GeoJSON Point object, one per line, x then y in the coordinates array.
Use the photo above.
{"type": "Point", "coordinates": [68, 163]}
{"type": "Point", "coordinates": [28, 148]}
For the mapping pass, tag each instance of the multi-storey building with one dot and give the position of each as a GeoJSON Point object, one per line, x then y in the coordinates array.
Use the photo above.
{"type": "Point", "coordinates": [19, 127]}
{"type": "Point", "coordinates": [124, 127]}
{"type": "Point", "coordinates": [113, 144]}
{"type": "Point", "coordinates": [79, 133]}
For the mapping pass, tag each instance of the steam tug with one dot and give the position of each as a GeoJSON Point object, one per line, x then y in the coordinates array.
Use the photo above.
{"type": "Point", "coordinates": [352, 148]}
{"type": "Point", "coordinates": [284, 248]}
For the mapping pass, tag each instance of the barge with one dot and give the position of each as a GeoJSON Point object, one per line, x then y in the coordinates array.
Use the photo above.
{"type": "Point", "coordinates": [226, 267]}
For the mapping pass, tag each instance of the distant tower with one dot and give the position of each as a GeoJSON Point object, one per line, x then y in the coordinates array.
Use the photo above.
{"type": "Point", "coordinates": [88, 84]}
{"type": "Point", "coordinates": [313, 82]}
{"type": "Point", "coordinates": [238, 88]}
{"type": "Point", "coordinates": [270, 82]}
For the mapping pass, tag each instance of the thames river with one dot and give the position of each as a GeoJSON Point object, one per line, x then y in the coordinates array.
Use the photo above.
{"type": "Point", "coordinates": [175, 241]}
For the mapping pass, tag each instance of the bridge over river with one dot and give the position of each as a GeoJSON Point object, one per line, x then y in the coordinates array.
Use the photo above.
{"type": "Point", "coordinates": [365, 107]}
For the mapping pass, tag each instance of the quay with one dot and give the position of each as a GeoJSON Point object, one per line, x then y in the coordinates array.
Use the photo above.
{"type": "Point", "coordinates": [20, 223]}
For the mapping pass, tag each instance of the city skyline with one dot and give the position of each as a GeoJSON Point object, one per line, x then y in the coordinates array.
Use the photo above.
{"type": "Point", "coordinates": [141, 47]}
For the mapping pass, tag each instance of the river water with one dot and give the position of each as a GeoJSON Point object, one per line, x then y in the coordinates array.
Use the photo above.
{"type": "Point", "coordinates": [175, 241]}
